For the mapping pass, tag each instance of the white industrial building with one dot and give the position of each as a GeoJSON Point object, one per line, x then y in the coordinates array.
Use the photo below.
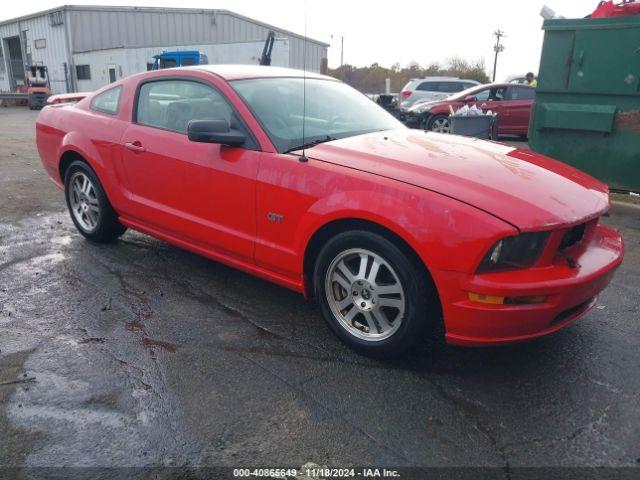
{"type": "Point", "coordinates": [87, 47]}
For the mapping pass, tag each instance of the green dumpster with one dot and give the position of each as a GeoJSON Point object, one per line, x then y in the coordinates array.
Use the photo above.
{"type": "Point", "coordinates": [587, 106]}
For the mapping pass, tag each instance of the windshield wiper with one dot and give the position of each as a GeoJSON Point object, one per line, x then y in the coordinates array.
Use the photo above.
{"type": "Point", "coordinates": [318, 141]}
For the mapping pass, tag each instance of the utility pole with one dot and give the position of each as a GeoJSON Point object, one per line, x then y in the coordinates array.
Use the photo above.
{"type": "Point", "coordinates": [498, 47]}
{"type": "Point", "coordinates": [341, 49]}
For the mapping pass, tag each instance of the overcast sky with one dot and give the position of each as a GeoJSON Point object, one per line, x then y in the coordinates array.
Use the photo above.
{"type": "Point", "coordinates": [393, 31]}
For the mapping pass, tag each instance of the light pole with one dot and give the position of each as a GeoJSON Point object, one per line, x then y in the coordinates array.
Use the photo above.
{"type": "Point", "coordinates": [498, 47]}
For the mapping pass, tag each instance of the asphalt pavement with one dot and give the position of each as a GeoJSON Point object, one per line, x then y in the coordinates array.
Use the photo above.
{"type": "Point", "coordinates": [139, 353]}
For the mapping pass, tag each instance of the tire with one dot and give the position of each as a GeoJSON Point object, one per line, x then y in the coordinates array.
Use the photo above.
{"type": "Point", "coordinates": [439, 124]}
{"type": "Point", "coordinates": [88, 205]}
{"type": "Point", "coordinates": [367, 316]}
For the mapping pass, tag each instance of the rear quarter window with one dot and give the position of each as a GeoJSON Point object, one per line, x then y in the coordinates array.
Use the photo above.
{"type": "Point", "coordinates": [108, 101]}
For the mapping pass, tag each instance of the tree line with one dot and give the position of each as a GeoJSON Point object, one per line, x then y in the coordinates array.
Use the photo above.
{"type": "Point", "coordinates": [372, 79]}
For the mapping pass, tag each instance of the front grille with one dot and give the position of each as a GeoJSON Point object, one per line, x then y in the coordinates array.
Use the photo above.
{"type": "Point", "coordinates": [573, 236]}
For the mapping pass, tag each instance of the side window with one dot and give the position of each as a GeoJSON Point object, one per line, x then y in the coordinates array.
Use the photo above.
{"type": "Point", "coordinates": [499, 94]}
{"type": "Point", "coordinates": [451, 87]}
{"type": "Point", "coordinates": [172, 104]}
{"type": "Point", "coordinates": [167, 62]}
{"type": "Point", "coordinates": [520, 93]}
{"type": "Point", "coordinates": [428, 86]}
{"type": "Point", "coordinates": [107, 102]}
{"type": "Point", "coordinates": [483, 95]}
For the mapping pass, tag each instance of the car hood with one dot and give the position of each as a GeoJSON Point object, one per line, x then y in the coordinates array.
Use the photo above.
{"type": "Point", "coordinates": [424, 105]}
{"type": "Point", "coordinates": [523, 188]}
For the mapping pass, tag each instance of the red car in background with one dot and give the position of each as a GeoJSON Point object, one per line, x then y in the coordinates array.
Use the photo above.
{"type": "Point", "coordinates": [512, 103]}
{"type": "Point", "coordinates": [393, 231]}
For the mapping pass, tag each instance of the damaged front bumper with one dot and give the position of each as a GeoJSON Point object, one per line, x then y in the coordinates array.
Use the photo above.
{"type": "Point", "coordinates": [567, 289]}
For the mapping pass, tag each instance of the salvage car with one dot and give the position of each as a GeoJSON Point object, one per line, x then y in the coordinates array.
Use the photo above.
{"type": "Point", "coordinates": [511, 102]}
{"type": "Point", "coordinates": [304, 182]}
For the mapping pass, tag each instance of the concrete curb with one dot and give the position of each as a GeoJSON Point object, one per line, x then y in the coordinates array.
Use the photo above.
{"type": "Point", "coordinates": [625, 208]}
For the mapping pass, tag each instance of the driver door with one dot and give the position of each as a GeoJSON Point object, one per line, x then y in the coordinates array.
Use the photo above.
{"type": "Point", "coordinates": [200, 192]}
{"type": "Point", "coordinates": [494, 99]}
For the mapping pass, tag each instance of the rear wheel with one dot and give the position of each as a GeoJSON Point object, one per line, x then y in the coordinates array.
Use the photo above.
{"type": "Point", "coordinates": [89, 206]}
{"type": "Point", "coordinates": [440, 124]}
{"type": "Point", "coordinates": [372, 295]}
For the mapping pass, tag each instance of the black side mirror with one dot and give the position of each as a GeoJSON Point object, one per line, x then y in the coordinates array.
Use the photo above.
{"type": "Point", "coordinates": [215, 131]}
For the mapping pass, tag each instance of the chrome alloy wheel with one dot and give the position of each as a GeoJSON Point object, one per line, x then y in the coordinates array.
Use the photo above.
{"type": "Point", "coordinates": [84, 202]}
{"type": "Point", "coordinates": [441, 125]}
{"type": "Point", "coordinates": [365, 294]}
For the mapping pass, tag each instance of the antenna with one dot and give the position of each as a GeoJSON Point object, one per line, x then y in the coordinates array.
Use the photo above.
{"type": "Point", "coordinates": [303, 157]}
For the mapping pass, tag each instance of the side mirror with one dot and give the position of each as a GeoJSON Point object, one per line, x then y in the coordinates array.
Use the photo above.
{"type": "Point", "coordinates": [215, 131]}
{"type": "Point", "coordinates": [470, 99]}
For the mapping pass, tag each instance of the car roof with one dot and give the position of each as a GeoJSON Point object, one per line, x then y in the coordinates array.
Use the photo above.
{"type": "Point", "coordinates": [440, 78]}
{"type": "Point", "coordinates": [237, 72]}
{"type": "Point", "coordinates": [505, 84]}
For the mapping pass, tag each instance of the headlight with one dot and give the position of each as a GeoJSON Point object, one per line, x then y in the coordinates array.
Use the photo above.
{"type": "Point", "coordinates": [421, 109]}
{"type": "Point", "coordinates": [521, 251]}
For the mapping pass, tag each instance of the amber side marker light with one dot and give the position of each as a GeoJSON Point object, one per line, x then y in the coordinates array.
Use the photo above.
{"type": "Point", "coordinates": [496, 300]}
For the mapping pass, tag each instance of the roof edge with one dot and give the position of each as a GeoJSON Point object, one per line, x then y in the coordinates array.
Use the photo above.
{"type": "Point", "coordinates": [116, 8]}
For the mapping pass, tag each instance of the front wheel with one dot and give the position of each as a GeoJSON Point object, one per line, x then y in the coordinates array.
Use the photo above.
{"type": "Point", "coordinates": [89, 206]}
{"type": "Point", "coordinates": [439, 124]}
{"type": "Point", "coordinates": [372, 295]}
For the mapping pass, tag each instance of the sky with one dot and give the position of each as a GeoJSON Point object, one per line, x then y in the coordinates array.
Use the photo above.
{"type": "Point", "coordinates": [403, 31]}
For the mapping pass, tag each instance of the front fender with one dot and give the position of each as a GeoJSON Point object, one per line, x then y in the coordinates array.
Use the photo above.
{"type": "Point", "coordinates": [446, 234]}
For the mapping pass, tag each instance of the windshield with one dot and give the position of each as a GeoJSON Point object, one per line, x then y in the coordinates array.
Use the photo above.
{"type": "Point", "coordinates": [333, 110]}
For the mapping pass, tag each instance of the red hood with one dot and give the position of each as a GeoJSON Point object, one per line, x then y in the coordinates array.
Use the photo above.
{"type": "Point", "coordinates": [526, 189]}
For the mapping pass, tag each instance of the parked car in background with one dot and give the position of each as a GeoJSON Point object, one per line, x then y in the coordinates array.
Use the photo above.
{"type": "Point", "coordinates": [431, 88]}
{"type": "Point", "coordinates": [392, 230]}
{"type": "Point", "coordinates": [512, 102]}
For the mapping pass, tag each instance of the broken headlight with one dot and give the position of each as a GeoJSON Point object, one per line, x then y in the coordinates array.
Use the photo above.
{"type": "Point", "coordinates": [521, 251]}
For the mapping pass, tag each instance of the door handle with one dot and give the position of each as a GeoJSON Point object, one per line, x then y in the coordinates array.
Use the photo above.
{"type": "Point", "coordinates": [135, 147]}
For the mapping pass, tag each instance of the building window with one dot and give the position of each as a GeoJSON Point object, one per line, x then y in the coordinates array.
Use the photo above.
{"type": "Point", "coordinates": [83, 72]}
{"type": "Point", "coordinates": [56, 18]}
{"type": "Point", "coordinates": [40, 43]}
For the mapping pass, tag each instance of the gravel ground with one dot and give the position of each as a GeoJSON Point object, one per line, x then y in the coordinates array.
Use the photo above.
{"type": "Point", "coordinates": [139, 353]}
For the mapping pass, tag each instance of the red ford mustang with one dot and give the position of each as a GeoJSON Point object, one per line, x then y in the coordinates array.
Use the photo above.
{"type": "Point", "coordinates": [392, 230]}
